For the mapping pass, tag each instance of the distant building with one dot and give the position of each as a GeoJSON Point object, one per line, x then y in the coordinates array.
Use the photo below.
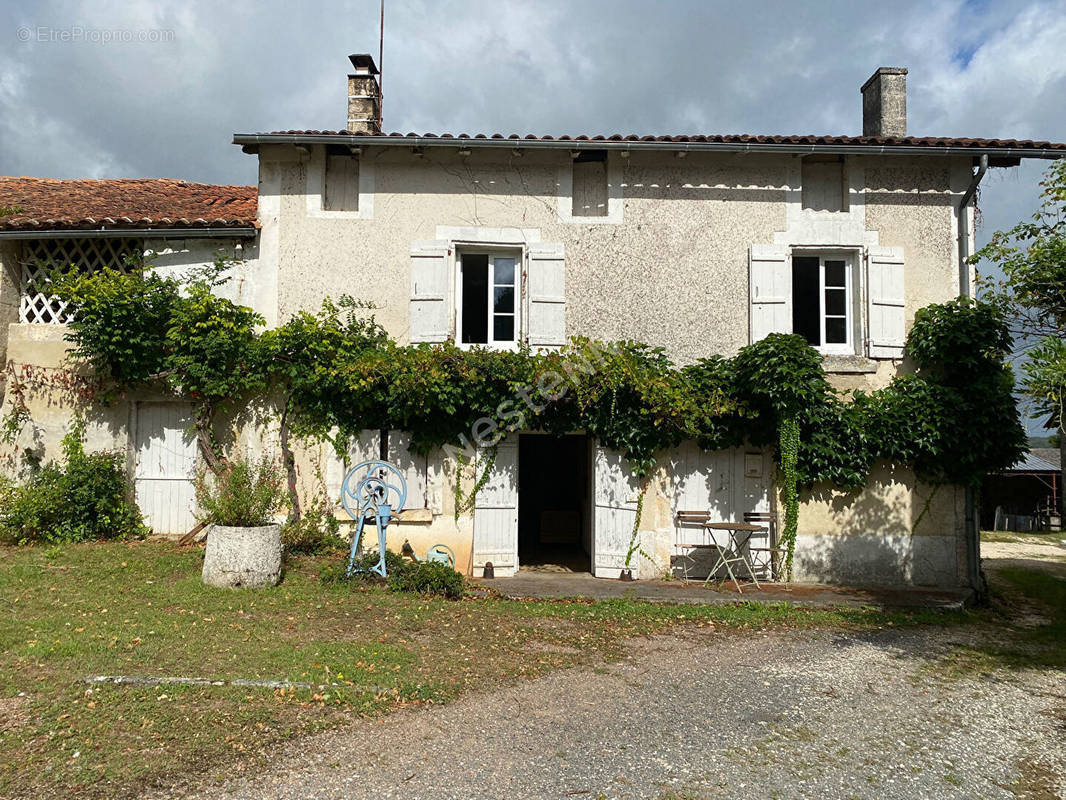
{"type": "Point", "coordinates": [1026, 497]}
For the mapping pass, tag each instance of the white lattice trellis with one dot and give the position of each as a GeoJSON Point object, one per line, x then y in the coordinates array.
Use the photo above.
{"type": "Point", "coordinates": [44, 257]}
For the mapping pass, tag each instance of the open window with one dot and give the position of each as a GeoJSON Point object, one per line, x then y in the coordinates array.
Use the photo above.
{"type": "Point", "coordinates": [488, 303]}
{"type": "Point", "coordinates": [823, 310]}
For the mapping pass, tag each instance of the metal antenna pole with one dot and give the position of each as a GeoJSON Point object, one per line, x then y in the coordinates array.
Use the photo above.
{"type": "Point", "coordinates": [381, 70]}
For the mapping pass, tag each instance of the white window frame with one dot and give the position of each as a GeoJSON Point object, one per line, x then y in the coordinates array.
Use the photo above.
{"type": "Point", "coordinates": [493, 253]}
{"type": "Point", "coordinates": [852, 316]}
{"type": "Point", "coordinates": [848, 345]}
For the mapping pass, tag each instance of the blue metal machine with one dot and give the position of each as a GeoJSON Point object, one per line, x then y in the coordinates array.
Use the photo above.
{"type": "Point", "coordinates": [372, 493]}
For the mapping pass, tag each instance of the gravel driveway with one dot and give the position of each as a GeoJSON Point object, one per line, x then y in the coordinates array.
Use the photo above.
{"type": "Point", "coordinates": [706, 714]}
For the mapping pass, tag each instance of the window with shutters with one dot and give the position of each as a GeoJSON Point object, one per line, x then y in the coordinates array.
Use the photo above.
{"type": "Point", "coordinates": [823, 187]}
{"type": "Point", "coordinates": [589, 195]}
{"type": "Point", "coordinates": [341, 183]}
{"type": "Point", "coordinates": [44, 257]}
{"type": "Point", "coordinates": [823, 308]}
{"type": "Point", "coordinates": [487, 309]}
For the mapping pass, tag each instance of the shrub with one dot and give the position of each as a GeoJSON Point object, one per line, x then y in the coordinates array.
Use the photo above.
{"type": "Point", "coordinates": [336, 572]}
{"type": "Point", "coordinates": [85, 498]}
{"type": "Point", "coordinates": [424, 577]}
{"type": "Point", "coordinates": [242, 494]}
{"type": "Point", "coordinates": [427, 577]}
{"type": "Point", "coordinates": [317, 531]}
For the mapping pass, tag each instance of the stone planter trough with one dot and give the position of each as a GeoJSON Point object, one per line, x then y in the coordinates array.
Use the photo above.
{"type": "Point", "coordinates": [243, 558]}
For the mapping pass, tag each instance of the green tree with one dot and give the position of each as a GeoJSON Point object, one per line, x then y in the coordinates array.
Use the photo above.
{"type": "Point", "coordinates": [306, 360]}
{"type": "Point", "coordinates": [1032, 256]}
{"type": "Point", "coordinates": [136, 328]}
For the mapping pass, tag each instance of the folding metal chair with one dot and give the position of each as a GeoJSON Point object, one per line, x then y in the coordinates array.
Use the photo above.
{"type": "Point", "coordinates": [687, 550]}
{"type": "Point", "coordinates": [773, 553]}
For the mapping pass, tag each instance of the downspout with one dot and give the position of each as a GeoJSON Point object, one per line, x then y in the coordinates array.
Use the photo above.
{"type": "Point", "coordinates": [972, 531]}
{"type": "Point", "coordinates": [964, 226]}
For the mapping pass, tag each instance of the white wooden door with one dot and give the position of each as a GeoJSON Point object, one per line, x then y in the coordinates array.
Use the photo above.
{"type": "Point", "coordinates": [165, 460]}
{"type": "Point", "coordinates": [754, 478]}
{"type": "Point", "coordinates": [703, 480]}
{"type": "Point", "coordinates": [615, 493]}
{"type": "Point", "coordinates": [496, 513]}
{"type": "Point", "coordinates": [727, 484]}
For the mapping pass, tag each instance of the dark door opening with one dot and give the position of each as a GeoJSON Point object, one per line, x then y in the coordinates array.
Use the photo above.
{"type": "Point", "coordinates": [553, 502]}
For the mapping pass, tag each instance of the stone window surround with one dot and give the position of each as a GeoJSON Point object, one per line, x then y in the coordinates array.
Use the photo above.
{"type": "Point", "coordinates": [615, 204]}
{"type": "Point", "coordinates": [316, 187]}
{"type": "Point", "coordinates": [487, 238]}
{"type": "Point", "coordinates": [813, 232]}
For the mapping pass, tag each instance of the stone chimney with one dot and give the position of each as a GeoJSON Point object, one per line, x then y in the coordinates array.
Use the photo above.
{"type": "Point", "coordinates": [884, 103]}
{"type": "Point", "coordinates": [364, 95]}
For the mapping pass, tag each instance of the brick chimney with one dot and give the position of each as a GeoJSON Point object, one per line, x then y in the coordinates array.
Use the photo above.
{"type": "Point", "coordinates": [364, 95]}
{"type": "Point", "coordinates": [884, 103]}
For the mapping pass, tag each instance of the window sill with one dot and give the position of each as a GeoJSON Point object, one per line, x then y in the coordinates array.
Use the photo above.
{"type": "Point", "coordinates": [499, 346]}
{"type": "Point", "coordinates": [849, 365]}
{"type": "Point", "coordinates": [408, 516]}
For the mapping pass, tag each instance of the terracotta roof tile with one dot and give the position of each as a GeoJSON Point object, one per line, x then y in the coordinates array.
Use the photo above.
{"type": "Point", "coordinates": [50, 204]}
{"type": "Point", "coordinates": [869, 141]}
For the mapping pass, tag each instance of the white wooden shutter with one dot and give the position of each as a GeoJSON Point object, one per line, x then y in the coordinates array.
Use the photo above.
{"type": "Point", "coordinates": [430, 291]}
{"type": "Point", "coordinates": [615, 493]}
{"type": "Point", "coordinates": [546, 295]}
{"type": "Point", "coordinates": [496, 512]}
{"type": "Point", "coordinates": [365, 447]}
{"type": "Point", "coordinates": [414, 468]}
{"type": "Point", "coordinates": [770, 286]}
{"type": "Point", "coordinates": [886, 302]}
{"type": "Point", "coordinates": [341, 189]}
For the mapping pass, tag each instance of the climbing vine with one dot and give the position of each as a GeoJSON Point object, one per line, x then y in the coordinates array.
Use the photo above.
{"type": "Point", "coordinates": [467, 502]}
{"type": "Point", "coordinates": [334, 373]}
{"type": "Point", "coordinates": [136, 327]}
{"type": "Point", "coordinates": [788, 456]}
{"type": "Point", "coordinates": [634, 536]}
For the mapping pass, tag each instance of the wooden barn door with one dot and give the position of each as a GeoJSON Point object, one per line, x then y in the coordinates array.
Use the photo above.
{"type": "Point", "coordinates": [496, 513]}
{"type": "Point", "coordinates": [615, 492]}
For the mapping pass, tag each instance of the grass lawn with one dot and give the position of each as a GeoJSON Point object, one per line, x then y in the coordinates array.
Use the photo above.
{"type": "Point", "coordinates": [140, 609]}
{"type": "Point", "coordinates": [1027, 537]}
{"type": "Point", "coordinates": [1033, 601]}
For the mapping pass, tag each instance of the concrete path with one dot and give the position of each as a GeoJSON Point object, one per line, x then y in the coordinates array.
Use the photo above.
{"type": "Point", "coordinates": [705, 714]}
{"type": "Point", "coordinates": [533, 584]}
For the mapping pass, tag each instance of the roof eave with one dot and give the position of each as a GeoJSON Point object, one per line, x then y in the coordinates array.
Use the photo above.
{"type": "Point", "coordinates": [233, 232]}
{"type": "Point", "coordinates": [250, 142]}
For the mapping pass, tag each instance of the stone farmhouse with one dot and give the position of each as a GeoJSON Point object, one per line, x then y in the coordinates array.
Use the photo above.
{"type": "Point", "coordinates": [699, 244]}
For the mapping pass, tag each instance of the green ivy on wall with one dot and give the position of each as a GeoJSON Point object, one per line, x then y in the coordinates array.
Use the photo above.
{"type": "Point", "coordinates": [951, 420]}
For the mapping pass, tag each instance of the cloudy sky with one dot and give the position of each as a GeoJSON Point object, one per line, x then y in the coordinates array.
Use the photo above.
{"type": "Point", "coordinates": [73, 104]}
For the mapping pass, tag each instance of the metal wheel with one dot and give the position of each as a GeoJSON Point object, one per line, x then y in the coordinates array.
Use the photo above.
{"type": "Point", "coordinates": [370, 484]}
